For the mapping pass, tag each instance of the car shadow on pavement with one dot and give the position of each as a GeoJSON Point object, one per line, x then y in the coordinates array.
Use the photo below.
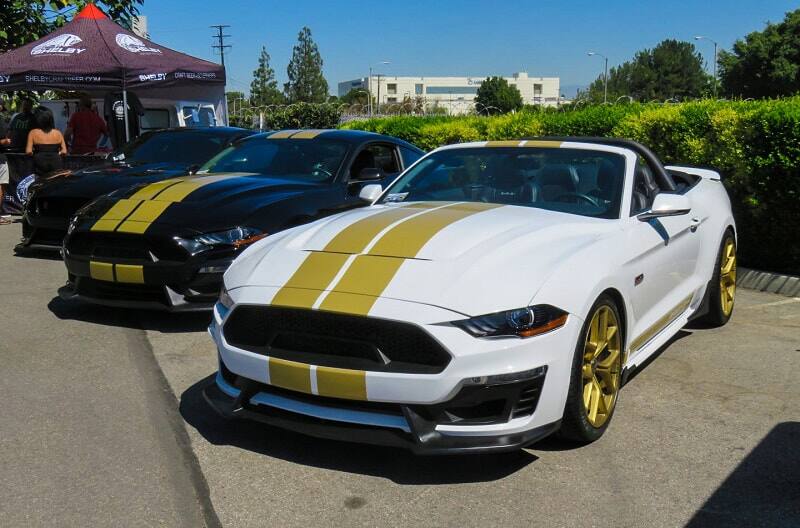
{"type": "Point", "coordinates": [397, 465]}
{"type": "Point", "coordinates": [763, 490]}
{"type": "Point", "coordinates": [39, 254]}
{"type": "Point", "coordinates": [129, 318]}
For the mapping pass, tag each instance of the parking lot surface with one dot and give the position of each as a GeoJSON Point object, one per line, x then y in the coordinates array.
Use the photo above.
{"type": "Point", "coordinates": [103, 422]}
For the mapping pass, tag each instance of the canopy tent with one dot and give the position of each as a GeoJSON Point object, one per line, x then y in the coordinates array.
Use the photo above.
{"type": "Point", "coordinates": [93, 54]}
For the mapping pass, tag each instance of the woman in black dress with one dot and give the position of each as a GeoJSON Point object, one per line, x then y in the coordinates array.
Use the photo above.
{"type": "Point", "coordinates": [46, 145]}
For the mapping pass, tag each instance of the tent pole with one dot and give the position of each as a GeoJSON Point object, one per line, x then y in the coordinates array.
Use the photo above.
{"type": "Point", "coordinates": [125, 113]}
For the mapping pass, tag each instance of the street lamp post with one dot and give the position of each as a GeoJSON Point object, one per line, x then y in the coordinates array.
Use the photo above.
{"type": "Point", "coordinates": [369, 87]}
{"type": "Point", "coordinates": [701, 37]}
{"type": "Point", "coordinates": [605, 74]}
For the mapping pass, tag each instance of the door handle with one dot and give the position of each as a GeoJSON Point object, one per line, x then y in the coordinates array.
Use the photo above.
{"type": "Point", "coordinates": [695, 224]}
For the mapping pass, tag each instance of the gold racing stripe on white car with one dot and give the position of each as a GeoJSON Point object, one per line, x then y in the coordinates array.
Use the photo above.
{"type": "Point", "coordinates": [370, 274]}
{"type": "Point", "coordinates": [380, 243]}
{"type": "Point", "coordinates": [331, 382]}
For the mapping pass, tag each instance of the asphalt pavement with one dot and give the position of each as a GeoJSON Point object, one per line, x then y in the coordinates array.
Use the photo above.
{"type": "Point", "coordinates": [103, 423]}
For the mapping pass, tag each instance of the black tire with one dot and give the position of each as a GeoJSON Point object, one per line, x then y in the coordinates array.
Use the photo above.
{"type": "Point", "coordinates": [717, 315]}
{"type": "Point", "coordinates": [575, 425]}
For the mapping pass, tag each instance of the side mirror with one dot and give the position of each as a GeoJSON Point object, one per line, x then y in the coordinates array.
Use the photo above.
{"type": "Point", "coordinates": [370, 193]}
{"type": "Point", "coordinates": [370, 174]}
{"type": "Point", "coordinates": [666, 204]}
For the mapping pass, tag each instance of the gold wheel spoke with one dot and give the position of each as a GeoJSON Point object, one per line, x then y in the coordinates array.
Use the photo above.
{"type": "Point", "coordinates": [601, 365]}
{"type": "Point", "coordinates": [609, 361]}
{"type": "Point", "coordinates": [594, 401]}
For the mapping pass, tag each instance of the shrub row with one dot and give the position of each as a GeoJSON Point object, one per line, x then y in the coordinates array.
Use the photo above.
{"type": "Point", "coordinates": [754, 144]}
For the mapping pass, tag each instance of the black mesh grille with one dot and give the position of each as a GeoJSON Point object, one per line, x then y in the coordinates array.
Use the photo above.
{"type": "Point", "coordinates": [120, 245]}
{"type": "Point", "coordinates": [528, 398]}
{"type": "Point", "coordinates": [335, 340]}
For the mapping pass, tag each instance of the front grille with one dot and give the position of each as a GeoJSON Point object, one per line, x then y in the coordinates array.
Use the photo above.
{"type": "Point", "coordinates": [52, 237]}
{"type": "Point", "coordinates": [57, 207]}
{"type": "Point", "coordinates": [335, 340]}
{"type": "Point", "coordinates": [125, 246]}
{"type": "Point", "coordinates": [120, 291]}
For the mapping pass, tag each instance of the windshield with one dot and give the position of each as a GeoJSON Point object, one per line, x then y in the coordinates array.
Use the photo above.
{"type": "Point", "coordinates": [577, 181]}
{"type": "Point", "coordinates": [315, 160]}
{"type": "Point", "coordinates": [179, 147]}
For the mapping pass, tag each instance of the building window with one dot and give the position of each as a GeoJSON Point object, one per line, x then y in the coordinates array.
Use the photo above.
{"type": "Point", "coordinates": [391, 99]}
{"type": "Point", "coordinates": [537, 89]}
{"type": "Point", "coordinates": [391, 88]}
{"type": "Point", "coordinates": [465, 90]}
{"type": "Point", "coordinates": [418, 89]}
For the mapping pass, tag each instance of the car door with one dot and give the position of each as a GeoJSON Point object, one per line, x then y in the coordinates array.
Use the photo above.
{"type": "Point", "coordinates": [661, 256]}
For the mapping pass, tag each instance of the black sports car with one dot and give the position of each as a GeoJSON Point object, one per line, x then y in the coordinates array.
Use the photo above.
{"type": "Point", "coordinates": [165, 245]}
{"type": "Point", "coordinates": [152, 157]}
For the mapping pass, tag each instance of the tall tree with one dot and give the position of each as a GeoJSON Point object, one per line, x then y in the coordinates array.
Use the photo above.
{"type": "Point", "coordinates": [673, 69]}
{"type": "Point", "coordinates": [496, 96]}
{"type": "Point", "coordinates": [23, 21]}
{"type": "Point", "coordinates": [306, 82]}
{"type": "Point", "coordinates": [766, 63]}
{"type": "Point", "coordinates": [264, 88]}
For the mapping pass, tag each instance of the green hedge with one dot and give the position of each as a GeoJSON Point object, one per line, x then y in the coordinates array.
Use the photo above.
{"type": "Point", "coordinates": [754, 144]}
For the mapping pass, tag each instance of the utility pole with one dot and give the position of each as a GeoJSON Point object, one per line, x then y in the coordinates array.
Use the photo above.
{"type": "Point", "coordinates": [220, 41]}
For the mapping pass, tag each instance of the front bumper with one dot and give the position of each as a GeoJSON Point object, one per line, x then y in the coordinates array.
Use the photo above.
{"type": "Point", "coordinates": [446, 411]}
{"type": "Point", "coordinates": [139, 272]}
{"type": "Point", "coordinates": [406, 429]}
{"type": "Point", "coordinates": [46, 234]}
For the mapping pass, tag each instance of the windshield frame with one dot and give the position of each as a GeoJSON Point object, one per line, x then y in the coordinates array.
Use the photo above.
{"type": "Point", "coordinates": [150, 135]}
{"type": "Point", "coordinates": [627, 156]}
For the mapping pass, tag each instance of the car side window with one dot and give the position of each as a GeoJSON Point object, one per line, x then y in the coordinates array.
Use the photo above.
{"type": "Point", "coordinates": [410, 157]}
{"type": "Point", "coordinates": [376, 156]}
{"type": "Point", "coordinates": [645, 187]}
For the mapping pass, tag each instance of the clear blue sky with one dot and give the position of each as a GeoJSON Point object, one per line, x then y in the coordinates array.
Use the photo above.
{"type": "Point", "coordinates": [444, 37]}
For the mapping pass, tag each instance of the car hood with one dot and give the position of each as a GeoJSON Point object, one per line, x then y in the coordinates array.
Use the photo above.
{"type": "Point", "coordinates": [95, 181]}
{"type": "Point", "coordinates": [469, 258]}
{"type": "Point", "coordinates": [197, 203]}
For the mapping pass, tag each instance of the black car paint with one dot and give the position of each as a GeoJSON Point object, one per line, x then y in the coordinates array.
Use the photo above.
{"type": "Point", "coordinates": [192, 282]}
{"type": "Point", "coordinates": [53, 201]}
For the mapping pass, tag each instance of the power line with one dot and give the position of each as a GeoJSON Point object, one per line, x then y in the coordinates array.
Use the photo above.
{"type": "Point", "coordinates": [220, 42]}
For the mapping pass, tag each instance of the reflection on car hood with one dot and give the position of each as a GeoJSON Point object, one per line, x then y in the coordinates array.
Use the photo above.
{"type": "Point", "coordinates": [470, 257]}
{"type": "Point", "coordinates": [199, 203]}
{"type": "Point", "coordinates": [102, 179]}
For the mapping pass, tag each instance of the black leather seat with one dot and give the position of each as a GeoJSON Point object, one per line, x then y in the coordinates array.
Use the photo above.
{"type": "Point", "coordinates": [553, 181]}
{"type": "Point", "coordinates": [510, 185]}
{"type": "Point", "coordinates": [645, 189]}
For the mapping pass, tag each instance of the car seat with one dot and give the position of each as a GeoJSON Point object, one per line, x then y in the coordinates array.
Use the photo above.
{"type": "Point", "coordinates": [553, 181]}
{"type": "Point", "coordinates": [645, 189]}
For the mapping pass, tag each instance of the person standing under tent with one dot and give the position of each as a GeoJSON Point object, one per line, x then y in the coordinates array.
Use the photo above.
{"type": "Point", "coordinates": [4, 174]}
{"type": "Point", "coordinates": [21, 124]}
{"type": "Point", "coordinates": [46, 145]}
{"type": "Point", "coordinates": [85, 128]}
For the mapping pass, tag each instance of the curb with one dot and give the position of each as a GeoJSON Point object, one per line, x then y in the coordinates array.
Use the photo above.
{"type": "Point", "coordinates": [768, 282]}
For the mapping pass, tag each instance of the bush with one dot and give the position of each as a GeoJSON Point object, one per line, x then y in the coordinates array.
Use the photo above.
{"type": "Point", "coordinates": [755, 145]}
{"type": "Point", "coordinates": [302, 115]}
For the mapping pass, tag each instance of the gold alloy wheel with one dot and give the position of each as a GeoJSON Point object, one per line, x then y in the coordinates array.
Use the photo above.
{"type": "Point", "coordinates": [727, 277]}
{"type": "Point", "coordinates": [602, 365]}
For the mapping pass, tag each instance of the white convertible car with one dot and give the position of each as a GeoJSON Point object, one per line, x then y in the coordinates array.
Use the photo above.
{"type": "Point", "coordinates": [495, 293]}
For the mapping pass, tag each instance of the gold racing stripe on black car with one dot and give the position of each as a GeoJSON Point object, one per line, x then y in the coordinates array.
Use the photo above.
{"type": "Point", "coordinates": [110, 272]}
{"type": "Point", "coordinates": [134, 215]}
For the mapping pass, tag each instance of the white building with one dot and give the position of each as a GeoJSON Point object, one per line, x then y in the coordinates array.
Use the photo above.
{"type": "Point", "coordinates": [455, 94]}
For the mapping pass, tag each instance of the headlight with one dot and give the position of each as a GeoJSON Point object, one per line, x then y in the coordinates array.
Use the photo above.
{"type": "Point", "coordinates": [522, 322]}
{"type": "Point", "coordinates": [235, 238]}
{"type": "Point", "coordinates": [73, 223]}
{"type": "Point", "coordinates": [225, 298]}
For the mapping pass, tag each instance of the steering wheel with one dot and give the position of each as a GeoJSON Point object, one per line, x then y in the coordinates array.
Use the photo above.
{"type": "Point", "coordinates": [584, 197]}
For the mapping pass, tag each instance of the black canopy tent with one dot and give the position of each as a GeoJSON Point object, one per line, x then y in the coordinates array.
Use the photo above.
{"type": "Point", "coordinates": [95, 55]}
